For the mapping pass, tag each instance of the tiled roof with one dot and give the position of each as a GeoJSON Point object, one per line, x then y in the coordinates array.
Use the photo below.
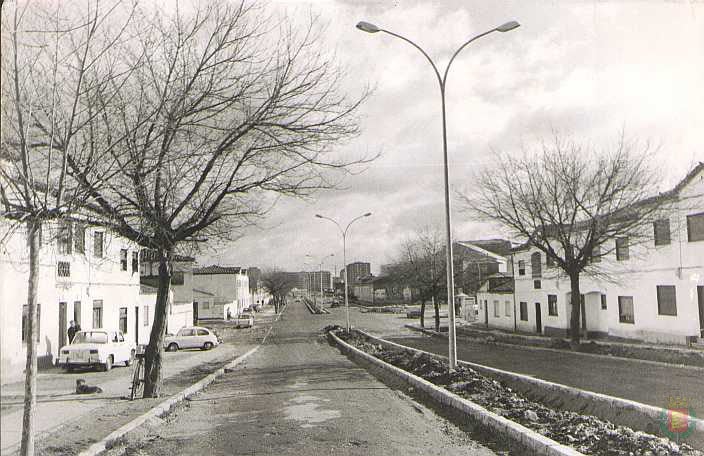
{"type": "Point", "coordinates": [203, 292]}
{"type": "Point", "coordinates": [151, 255]}
{"type": "Point", "coordinates": [215, 269]}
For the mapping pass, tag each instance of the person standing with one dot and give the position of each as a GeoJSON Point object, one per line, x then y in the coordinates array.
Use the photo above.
{"type": "Point", "coordinates": [72, 329]}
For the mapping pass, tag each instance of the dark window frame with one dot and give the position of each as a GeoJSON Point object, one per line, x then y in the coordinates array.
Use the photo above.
{"type": "Point", "coordinates": [122, 320]}
{"type": "Point", "coordinates": [98, 244]}
{"type": "Point", "coordinates": [622, 249]}
{"type": "Point", "coordinates": [63, 268]}
{"type": "Point", "coordinates": [604, 305]}
{"type": "Point", "coordinates": [622, 316]}
{"type": "Point", "coordinates": [690, 219]}
{"type": "Point", "coordinates": [79, 238]}
{"type": "Point", "coordinates": [135, 262]}
{"type": "Point", "coordinates": [666, 308]}
{"type": "Point", "coordinates": [552, 305]}
{"type": "Point", "coordinates": [64, 238]}
{"type": "Point", "coordinates": [521, 267]}
{"type": "Point", "coordinates": [523, 310]}
{"type": "Point", "coordinates": [537, 284]}
{"type": "Point", "coordinates": [536, 267]}
{"type": "Point", "coordinates": [123, 259]}
{"type": "Point", "coordinates": [661, 232]}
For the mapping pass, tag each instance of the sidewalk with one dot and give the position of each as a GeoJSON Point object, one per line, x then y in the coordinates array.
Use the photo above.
{"type": "Point", "coordinates": [58, 406]}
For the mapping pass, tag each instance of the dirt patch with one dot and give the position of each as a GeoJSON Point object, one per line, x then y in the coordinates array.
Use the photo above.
{"type": "Point", "coordinates": [586, 434]}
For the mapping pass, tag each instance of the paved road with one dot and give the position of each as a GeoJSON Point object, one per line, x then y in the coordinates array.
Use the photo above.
{"type": "Point", "coordinates": [630, 379]}
{"type": "Point", "coordinates": [298, 395]}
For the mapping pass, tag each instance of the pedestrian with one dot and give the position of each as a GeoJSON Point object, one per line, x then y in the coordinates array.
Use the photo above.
{"type": "Point", "coordinates": [229, 314]}
{"type": "Point", "coordinates": [71, 331]}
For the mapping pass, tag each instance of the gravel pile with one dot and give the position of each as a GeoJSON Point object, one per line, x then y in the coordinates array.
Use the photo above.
{"type": "Point", "coordinates": [587, 434]}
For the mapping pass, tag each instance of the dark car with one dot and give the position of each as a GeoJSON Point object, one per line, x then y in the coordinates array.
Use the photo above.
{"type": "Point", "coordinates": [413, 313]}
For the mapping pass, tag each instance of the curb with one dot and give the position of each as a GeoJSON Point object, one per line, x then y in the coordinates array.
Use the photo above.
{"type": "Point", "coordinates": [164, 407]}
{"type": "Point", "coordinates": [481, 340]}
{"type": "Point", "coordinates": [626, 412]}
{"type": "Point", "coordinates": [520, 436]}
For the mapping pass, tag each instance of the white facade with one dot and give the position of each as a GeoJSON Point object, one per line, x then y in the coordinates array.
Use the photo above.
{"type": "Point", "coordinates": [228, 287]}
{"type": "Point", "coordinates": [90, 278]}
{"type": "Point", "coordinates": [646, 282]}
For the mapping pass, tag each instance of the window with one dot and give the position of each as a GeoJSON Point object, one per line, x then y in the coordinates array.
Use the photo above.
{"type": "Point", "coordinates": [79, 238]}
{"type": "Point", "coordinates": [77, 312]}
{"type": "Point", "coordinates": [123, 259]}
{"type": "Point", "coordinates": [123, 319]}
{"type": "Point", "coordinates": [507, 308]}
{"type": "Point", "coordinates": [621, 248]}
{"type": "Point", "coordinates": [695, 227]}
{"type": "Point", "coordinates": [524, 311]}
{"type": "Point", "coordinates": [521, 267]}
{"type": "Point", "coordinates": [537, 284]}
{"type": "Point", "coordinates": [64, 238]}
{"type": "Point", "coordinates": [661, 232]}
{"type": "Point", "coordinates": [135, 262]}
{"type": "Point", "coordinates": [496, 308]}
{"type": "Point", "coordinates": [202, 332]}
{"type": "Point", "coordinates": [97, 313]}
{"type": "Point", "coordinates": [552, 305]}
{"type": "Point", "coordinates": [535, 265]}
{"type": "Point", "coordinates": [98, 244]}
{"type": "Point", "coordinates": [25, 322]}
{"type": "Point", "coordinates": [177, 278]}
{"type": "Point", "coordinates": [596, 254]}
{"type": "Point", "coordinates": [206, 305]}
{"type": "Point", "coordinates": [667, 300]}
{"type": "Point", "coordinates": [603, 302]}
{"type": "Point", "coordinates": [625, 309]}
{"type": "Point", "coordinates": [145, 312]}
{"type": "Point", "coordinates": [64, 269]}
{"type": "Point", "coordinates": [185, 332]}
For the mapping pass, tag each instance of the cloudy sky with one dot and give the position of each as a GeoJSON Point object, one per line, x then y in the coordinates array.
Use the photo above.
{"type": "Point", "coordinates": [585, 69]}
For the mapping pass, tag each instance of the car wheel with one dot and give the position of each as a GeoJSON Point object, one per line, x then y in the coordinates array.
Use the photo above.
{"type": "Point", "coordinates": [108, 364]}
{"type": "Point", "coordinates": [207, 346]}
{"type": "Point", "coordinates": [173, 346]}
{"type": "Point", "coordinates": [128, 361]}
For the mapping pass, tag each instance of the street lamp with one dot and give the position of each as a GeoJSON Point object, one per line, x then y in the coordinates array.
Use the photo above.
{"type": "Point", "coordinates": [344, 256]}
{"type": "Point", "coordinates": [442, 80]}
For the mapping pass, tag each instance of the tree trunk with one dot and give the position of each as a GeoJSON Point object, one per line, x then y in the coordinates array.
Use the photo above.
{"type": "Point", "coordinates": [154, 353]}
{"type": "Point", "coordinates": [436, 305]}
{"type": "Point", "coordinates": [575, 304]}
{"type": "Point", "coordinates": [30, 382]}
{"type": "Point", "coordinates": [422, 313]}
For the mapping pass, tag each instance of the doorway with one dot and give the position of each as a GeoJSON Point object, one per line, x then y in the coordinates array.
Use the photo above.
{"type": "Point", "coordinates": [486, 312]}
{"type": "Point", "coordinates": [63, 334]}
{"type": "Point", "coordinates": [538, 319]}
{"type": "Point", "coordinates": [195, 313]}
{"type": "Point", "coordinates": [136, 325]}
{"type": "Point", "coordinates": [700, 299]}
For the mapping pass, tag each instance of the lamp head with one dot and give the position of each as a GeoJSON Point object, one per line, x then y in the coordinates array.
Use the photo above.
{"type": "Point", "coordinates": [367, 27]}
{"type": "Point", "coordinates": [318, 215]}
{"type": "Point", "coordinates": [508, 26]}
{"type": "Point", "coordinates": [367, 214]}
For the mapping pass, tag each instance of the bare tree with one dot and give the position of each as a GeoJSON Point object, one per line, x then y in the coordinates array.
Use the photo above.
{"type": "Point", "coordinates": [571, 203]}
{"type": "Point", "coordinates": [225, 108]}
{"type": "Point", "coordinates": [279, 284]}
{"type": "Point", "coordinates": [53, 59]}
{"type": "Point", "coordinates": [421, 264]}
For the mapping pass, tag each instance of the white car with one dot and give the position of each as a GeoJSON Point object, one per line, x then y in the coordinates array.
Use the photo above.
{"type": "Point", "coordinates": [191, 337]}
{"type": "Point", "coordinates": [244, 320]}
{"type": "Point", "coordinates": [97, 348]}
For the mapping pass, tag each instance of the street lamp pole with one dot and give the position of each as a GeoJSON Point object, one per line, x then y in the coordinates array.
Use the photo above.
{"type": "Point", "coordinates": [442, 80]}
{"type": "Point", "coordinates": [344, 256]}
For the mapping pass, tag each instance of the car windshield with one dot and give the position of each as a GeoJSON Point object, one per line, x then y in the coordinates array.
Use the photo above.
{"type": "Point", "coordinates": [91, 337]}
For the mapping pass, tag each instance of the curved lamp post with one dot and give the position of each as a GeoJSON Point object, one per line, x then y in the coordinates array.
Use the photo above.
{"type": "Point", "coordinates": [344, 255]}
{"type": "Point", "coordinates": [442, 80]}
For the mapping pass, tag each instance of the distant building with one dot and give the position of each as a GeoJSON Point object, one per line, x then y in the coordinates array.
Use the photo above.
{"type": "Point", "coordinates": [356, 271]}
{"type": "Point", "coordinates": [229, 287]}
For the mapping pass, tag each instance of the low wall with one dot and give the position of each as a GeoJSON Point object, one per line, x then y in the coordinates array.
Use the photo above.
{"type": "Point", "coordinates": [620, 411]}
{"type": "Point", "coordinates": [521, 439]}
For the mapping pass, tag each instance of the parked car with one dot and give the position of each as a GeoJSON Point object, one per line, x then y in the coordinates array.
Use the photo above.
{"type": "Point", "coordinates": [413, 313]}
{"type": "Point", "coordinates": [97, 348]}
{"type": "Point", "coordinates": [244, 320]}
{"type": "Point", "coordinates": [191, 337]}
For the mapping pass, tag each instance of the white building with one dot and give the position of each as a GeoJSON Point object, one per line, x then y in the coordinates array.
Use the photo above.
{"type": "Point", "coordinates": [86, 274]}
{"type": "Point", "coordinates": [221, 289]}
{"type": "Point", "coordinates": [180, 305]}
{"type": "Point", "coordinates": [657, 293]}
{"type": "Point", "coordinates": [496, 302]}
